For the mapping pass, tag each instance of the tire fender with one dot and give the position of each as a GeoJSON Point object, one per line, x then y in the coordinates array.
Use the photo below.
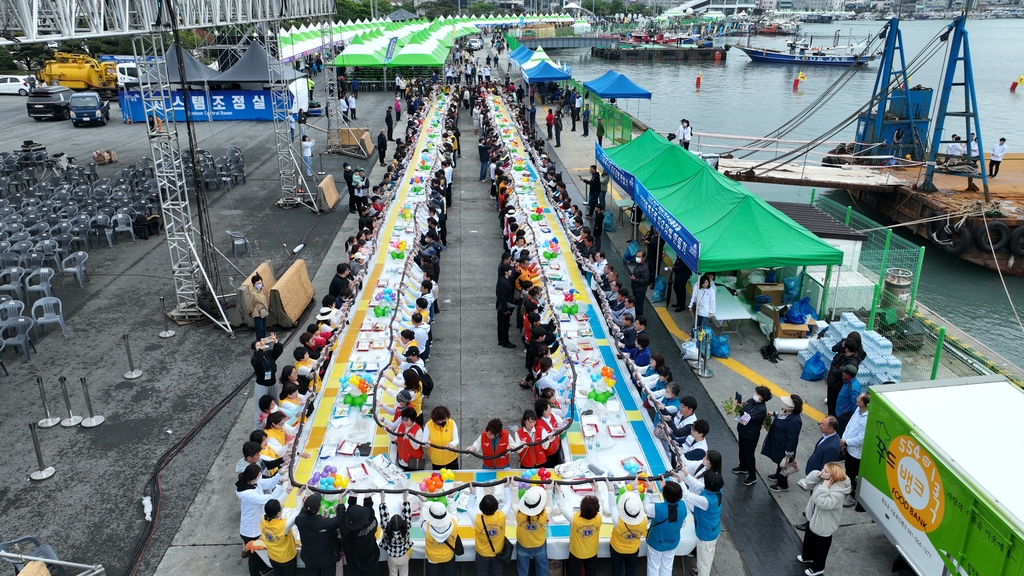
{"type": "Point", "coordinates": [997, 231]}
{"type": "Point", "coordinates": [961, 240]}
{"type": "Point", "coordinates": [1016, 242]}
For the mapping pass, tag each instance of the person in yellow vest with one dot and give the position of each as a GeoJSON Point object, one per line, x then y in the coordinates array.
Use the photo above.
{"type": "Point", "coordinates": [440, 537]}
{"type": "Point", "coordinates": [310, 85]}
{"type": "Point", "coordinates": [441, 430]}
{"type": "Point", "coordinates": [489, 527]}
{"type": "Point", "coordinates": [532, 532]}
{"type": "Point", "coordinates": [276, 533]}
{"type": "Point", "coordinates": [584, 533]}
{"type": "Point", "coordinates": [629, 527]}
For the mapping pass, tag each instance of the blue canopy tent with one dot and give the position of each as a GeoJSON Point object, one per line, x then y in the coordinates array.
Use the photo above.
{"type": "Point", "coordinates": [615, 85]}
{"type": "Point", "coordinates": [521, 55]}
{"type": "Point", "coordinates": [545, 72]}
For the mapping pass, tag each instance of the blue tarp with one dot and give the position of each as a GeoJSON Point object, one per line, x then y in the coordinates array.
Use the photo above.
{"type": "Point", "coordinates": [545, 72]}
{"type": "Point", "coordinates": [615, 85]}
{"type": "Point", "coordinates": [521, 55]}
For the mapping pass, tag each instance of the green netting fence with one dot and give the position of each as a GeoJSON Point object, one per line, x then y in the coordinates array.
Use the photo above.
{"type": "Point", "coordinates": [880, 287]}
{"type": "Point", "coordinates": [618, 125]}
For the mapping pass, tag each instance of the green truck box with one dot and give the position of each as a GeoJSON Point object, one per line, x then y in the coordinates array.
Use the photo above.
{"type": "Point", "coordinates": [942, 476]}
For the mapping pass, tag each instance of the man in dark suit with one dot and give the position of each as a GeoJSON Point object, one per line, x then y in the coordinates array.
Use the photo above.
{"type": "Point", "coordinates": [504, 305]}
{"type": "Point", "coordinates": [348, 175]}
{"type": "Point", "coordinates": [828, 449]}
{"type": "Point", "coordinates": [382, 146]}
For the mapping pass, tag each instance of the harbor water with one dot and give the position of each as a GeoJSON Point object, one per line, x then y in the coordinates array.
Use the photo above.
{"type": "Point", "coordinates": [744, 98]}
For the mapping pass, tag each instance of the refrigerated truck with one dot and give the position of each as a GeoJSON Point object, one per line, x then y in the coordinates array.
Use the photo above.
{"type": "Point", "coordinates": [942, 475]}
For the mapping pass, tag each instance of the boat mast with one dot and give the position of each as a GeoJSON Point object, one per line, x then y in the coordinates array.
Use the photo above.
{"type": "Point", "coordinates": [959, 55]}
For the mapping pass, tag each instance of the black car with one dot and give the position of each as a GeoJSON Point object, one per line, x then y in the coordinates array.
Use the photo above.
{"type": "Point", "coordinates": [50, 102]}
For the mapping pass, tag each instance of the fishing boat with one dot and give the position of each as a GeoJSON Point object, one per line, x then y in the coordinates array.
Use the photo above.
{"type": "Point", "coordinates": [808, 56]}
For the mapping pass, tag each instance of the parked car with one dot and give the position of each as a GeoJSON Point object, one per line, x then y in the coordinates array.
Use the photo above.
{"type": "Point", "coordinates": [475, 44]}
{"type": "Point", "coordinates": [50, 102]}
{"type": "Point", "coordinates": [89, 108]}
{"type": "Point", "coordinates": [15, 85]}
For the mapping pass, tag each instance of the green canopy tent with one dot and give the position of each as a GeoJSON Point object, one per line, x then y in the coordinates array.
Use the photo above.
{"type": "Point", "coordinates": [734, 228]}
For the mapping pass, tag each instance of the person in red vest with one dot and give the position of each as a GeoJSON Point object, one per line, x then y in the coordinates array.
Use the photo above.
{"type": "Point", "coordinates": [533, 456]}
{"type": "Point", "coordinates": [407, 449]}
{"type": "Point", "coordinates": [494, 445]}
{"type": "Point", "coordinates": [550, 422]}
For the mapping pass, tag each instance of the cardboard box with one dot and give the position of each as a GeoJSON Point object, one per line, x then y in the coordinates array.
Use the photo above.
{"type": "Point", "coordinates": [100, 157]}
{"type": "Point", "coordinates": [112, 155]}
{"type": "Point", "coordinates": [773, 291]}
{"type": "Point", "coordinates": [784, 330]}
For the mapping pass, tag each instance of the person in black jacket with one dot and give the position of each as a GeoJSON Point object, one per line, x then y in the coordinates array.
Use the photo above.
{"type": "Point", "coordinates": [382, 146]}
{"type": "Point", "coordinates": [359, 538]}
{"type": "Point", "coordinates": [640, 279]}
{"type": "Point", "coordinates": [349, 175]}
{"type": "Point", "coordinates": [593, 190]}
{"type": "Point", "coordinates": [504, 305]}
{"type": "Point", "coordinates": [849, 351]}
{"type": "Point", "coordinates": [782, 438]}
{"type": "Point", "coordinates": [264, 364]}
{"type": "Point", "coordinates": [681, 274]}
{"type": "Point", "coordinates": [390, 121]}
{"type": "Point", "coordinates": [319, 536]}
{"type": "Point", "coordinates": [749, 428]}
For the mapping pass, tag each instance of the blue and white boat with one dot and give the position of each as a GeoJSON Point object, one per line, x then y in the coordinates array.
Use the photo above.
{"type": "Point", "coordinates": [822, 57]}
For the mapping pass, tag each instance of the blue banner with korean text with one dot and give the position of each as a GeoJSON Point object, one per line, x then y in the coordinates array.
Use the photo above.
{"type": "Point", "coordinates": [215, 105]}
{"type": "Point", "coordinates": [622, 179]}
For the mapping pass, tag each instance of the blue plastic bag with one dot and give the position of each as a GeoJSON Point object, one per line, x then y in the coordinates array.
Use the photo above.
{"type": "Point", "coordinates": [631, 251]}
{"type": "Point", "coordinates": [790, 290]}
{"type": "Point", "coordinates": [761, 300]}
{"type": "Point", "coordinates": [609, 222]}
{"type": "Point", "coordinates": [769, 276]}
{"type": "Point", "coordinates": [803, 306]}
{"type": "Point", "coordinates": [660, 287]}
{"type": "Point", "coordinates": [720, 346]}
{"type": "Point", "coordinates": [814, 369]}
{"type": "Point", "coordinates": [793, 316]}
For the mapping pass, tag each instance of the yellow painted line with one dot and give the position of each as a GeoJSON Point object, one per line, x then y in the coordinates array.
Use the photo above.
{"type": "Point", "coordinates": [340, 362]}
{"type": "Point", "coordinates": [735, 366]}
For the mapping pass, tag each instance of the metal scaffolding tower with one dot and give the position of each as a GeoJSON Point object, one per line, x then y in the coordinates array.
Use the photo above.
{"type": "Point", "coordinates": [194, 268]}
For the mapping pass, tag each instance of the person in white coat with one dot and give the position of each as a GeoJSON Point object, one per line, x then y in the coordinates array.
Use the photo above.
{"type": "Point", "coordinates": [253, 494]}
{"type": "Point", "coordinates": [702, 303]}
{"type": "Point", "coordinates": [998, 151]}
{"type": "Point", "coordinates": [307, 154]}
{"type": "Point", "coordinates": [852, 443]}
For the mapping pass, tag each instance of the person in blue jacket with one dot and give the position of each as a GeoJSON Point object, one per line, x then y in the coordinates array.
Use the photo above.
{"type": "Point", "coordinates": [663, 534]}
{"type": "Point", "coordinates": [706, 502]}
{"type": "Point", "coordinates": [847, 401]}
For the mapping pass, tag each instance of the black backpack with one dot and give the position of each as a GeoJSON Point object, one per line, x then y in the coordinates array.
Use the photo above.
{"type": "Point", "coordinates": [426, 382]}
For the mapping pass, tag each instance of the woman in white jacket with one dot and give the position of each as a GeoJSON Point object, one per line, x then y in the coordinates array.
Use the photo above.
{"type": "Point", "coordinates": [824, 510]}
{"type": "Point", "coordinates": [702, 303]}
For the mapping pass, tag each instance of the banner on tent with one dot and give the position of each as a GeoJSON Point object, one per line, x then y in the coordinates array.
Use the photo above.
{"type": "Point", "coordinates": [622, 179]}
{"type": "Point", "coordinates": [675, 234]}
{"type": "Point", "coordinates": [218, 104]}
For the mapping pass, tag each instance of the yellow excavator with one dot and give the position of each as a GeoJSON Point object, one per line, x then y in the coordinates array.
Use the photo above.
{"type": "Point", "coordinates": [80, 72]}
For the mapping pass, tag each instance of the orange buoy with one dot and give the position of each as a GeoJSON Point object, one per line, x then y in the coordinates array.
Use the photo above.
{"type": "Point", "coordinates": [698, 81]}
{"type": "Point", "coordinates": [796, 84]}
{"type": "Point", "coordinates": [1013, 87]}
{"type": "Point", "coordinates": [718, 56]}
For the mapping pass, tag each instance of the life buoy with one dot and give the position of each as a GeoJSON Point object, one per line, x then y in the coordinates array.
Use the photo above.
{"type": "Point", "coordinates": [1016, 242]}
{"type": "Point", "coordinates": [997, 231]}
{"type": "Point", "coordinates": [956, 241]}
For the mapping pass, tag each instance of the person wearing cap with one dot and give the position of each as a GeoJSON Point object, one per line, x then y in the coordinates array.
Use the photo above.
{"type": "Point", "coordinates": [494, 445]}
{"type": "Point", "coordinates": [439, 529]}
{"type": "Point", "coordinates": [584, 533]}
{"type": "Point", "coordinates": [532, 532]}
{"type": "Point", "coordinates": [846, 405]}
{"type": "Point", "coordinates": [489, 529]}
{"type": "Point", "coordinates": [441, 430]}
{"type": "Point", "coordinates": [412, 359]}
{"type": "Point", "coordinates": [359, 537]}
{"type": "Point", "coordinates": [629, 527]}
{"type": "Point", "coordinates": [326, 315]}
{"type": "Point", "coordinates": [264, 365]}
{"type": "Point", "coordinates": [663, 534]}
{"type": "Point", "coordinates": [705, 499]}
{"type": "Point", "coordinates": [782, 438]}
{"type": "Point", "coordinates": [318, 535]}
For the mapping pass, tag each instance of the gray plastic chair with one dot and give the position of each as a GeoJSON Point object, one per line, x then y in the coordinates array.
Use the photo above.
{"type": "Point", "coordinates": [238, 242]}
{"type": "Point", "coordinates": [49, 310]}
{"type": "Point", "coordinates": [30, 546]}
{"type": "Point", "coordinates": [75, 266]}
{"type": "Point", "coordinates": [123, 223]}
{"type": "Point", "coordinates": [16, 333]}
{"type": "Point", "coordinates": [11, 309]}
{"type": "Point", "coordinates": [39, 281]}
{"type": "Point", "coordinates": [12, 281]}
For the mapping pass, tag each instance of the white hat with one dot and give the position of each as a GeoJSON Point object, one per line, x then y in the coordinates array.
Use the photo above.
{"type": "Point", "coordinates": [631, 510]}
{"type": "Point", "coordinates": [787, 402]}
{"type": "Point", "coordinates": [534, 501]}
{"type": "Point", "coordinates": [439, 522]}
{"type": "Point", "coordinates": [325, 313]}
{"type": "Point", "coordinates": [359, 256]}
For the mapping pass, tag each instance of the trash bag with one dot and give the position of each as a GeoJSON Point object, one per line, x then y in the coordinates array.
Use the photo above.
{"type": "Point", "coordinates": [720, 346]}
{"type": "Point", "coordinates": [803, 306]}
{"type": "Point", "coordinates": [770, 353]}
{"type": "Point", "coordinates": [689, 350]}
{"type": "Point", "coordinates": [761, 300]}
{"type": "Point", "coordinates": [631, 251]}
{"type": "Point", "coordinates": [793, 316]}
{"type": "Point", "coordinates": [769, 277]}
{"type": "Point", "coordinates": [814, 368]}
{"type": "Point", "coordinates": [790, 290]}
{"type": "Point", "coordinates": [660, 288]}
{"type": "Point", "coordinates": [609, 222]}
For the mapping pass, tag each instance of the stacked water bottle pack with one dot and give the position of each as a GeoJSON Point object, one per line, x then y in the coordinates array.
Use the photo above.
{"type": "Point", "coordinates": [879, 366]}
